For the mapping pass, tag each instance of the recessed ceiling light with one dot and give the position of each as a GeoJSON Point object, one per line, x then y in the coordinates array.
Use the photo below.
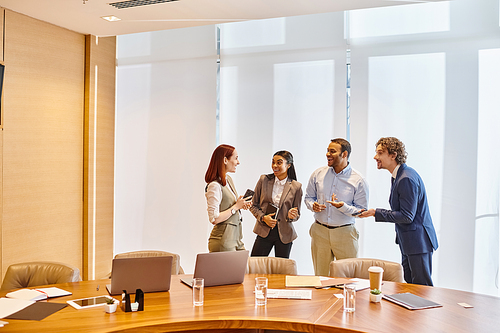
{"type": "Point", "coordinates": [111, 18]}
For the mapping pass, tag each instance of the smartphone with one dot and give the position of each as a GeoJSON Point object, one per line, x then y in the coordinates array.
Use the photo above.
{"type": "Point", "coordinates": [248, 194]}
{"type": "Point", "coordinates": [357, 213]}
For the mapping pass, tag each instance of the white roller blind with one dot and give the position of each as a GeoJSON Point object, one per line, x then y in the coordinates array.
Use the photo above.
{"type": "Point", "coordinates": [165, 134]}
{"type": "Point", "coordinates": [432, 88]}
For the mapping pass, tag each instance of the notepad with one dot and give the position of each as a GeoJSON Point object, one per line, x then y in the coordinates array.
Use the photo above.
{"type": "Point", "coordinates": [411, 301]}
{"type": "Point", "coordinates": [37, 294]}
{"type": "Point", "coordinates": [289, 294]}
{"type": "Point", "coordinates": [302, 281]}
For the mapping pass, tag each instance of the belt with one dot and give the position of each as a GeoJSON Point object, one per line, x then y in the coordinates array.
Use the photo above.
{"type": "Point", "coordinates": [332, 226]}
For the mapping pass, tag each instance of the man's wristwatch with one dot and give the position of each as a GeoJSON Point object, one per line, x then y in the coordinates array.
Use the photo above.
{"type": "Point", "coordinates": [233, 211]}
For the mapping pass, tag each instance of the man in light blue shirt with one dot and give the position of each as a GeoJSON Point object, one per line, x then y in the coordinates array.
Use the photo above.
{"type": "Point", "coordinates": [335, 193]}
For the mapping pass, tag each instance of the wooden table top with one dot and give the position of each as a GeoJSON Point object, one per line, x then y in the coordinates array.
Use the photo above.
{"type": "Point", "coordinates": [231, 308]}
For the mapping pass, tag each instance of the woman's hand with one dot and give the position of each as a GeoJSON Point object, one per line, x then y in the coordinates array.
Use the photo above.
{"type": "Point", "coordinates": [268, 219]}
{"type": "Point", "coordinates": [241, 203]}
{"type": "Point", "coordinates": [293, 213]}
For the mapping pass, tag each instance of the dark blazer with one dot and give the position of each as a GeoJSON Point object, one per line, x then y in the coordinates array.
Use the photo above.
{"type": "Point", "coordinates": [410, 212]}
{"type": "Point", "coordinates": [291, 197]}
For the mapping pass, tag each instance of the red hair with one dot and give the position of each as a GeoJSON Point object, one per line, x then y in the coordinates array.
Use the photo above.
{"type": "Point", "coordinates": [216, 169]}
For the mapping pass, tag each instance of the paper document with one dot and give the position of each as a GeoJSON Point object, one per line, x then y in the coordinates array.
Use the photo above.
{"type": "Point", "coordinates": [37, 294]}
{"type": "Point", "coordinates": [360, 284]}
{"type": "Point", "coordinates": [289, 294]}
{"type": "Point", "coordinates": [331, 282]}
{"type": "Point", "coordinates": [302, 281]}
{"type": "Point", "coordinates": [9, 306]}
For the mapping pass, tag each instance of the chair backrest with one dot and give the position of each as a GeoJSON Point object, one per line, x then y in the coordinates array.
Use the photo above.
{"type": "Point", "coordinates": [31, 274]}
{"type": "Point", "coordinates": [271, 265]}
{"type": "Point", "coordinates": [176, 262]}
{"type": "Point", "coordinates": [358, 268]}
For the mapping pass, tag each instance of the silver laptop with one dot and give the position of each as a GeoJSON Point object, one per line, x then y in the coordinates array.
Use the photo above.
{"type": "Point", "coordinates": [146, 273]}
{"type": "Point", "coordinates": [219, 268]}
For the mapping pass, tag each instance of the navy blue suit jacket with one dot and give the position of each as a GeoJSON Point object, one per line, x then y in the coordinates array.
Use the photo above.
{"type": "Point", "coordinates": [410, 212]}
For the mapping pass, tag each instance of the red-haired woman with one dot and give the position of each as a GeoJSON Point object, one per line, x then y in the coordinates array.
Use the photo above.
{"type": "Point", "coordinates": [223, 202]}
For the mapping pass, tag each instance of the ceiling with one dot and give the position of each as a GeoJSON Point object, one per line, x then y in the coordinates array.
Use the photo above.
{"type": "Point", "coordinates": [84, 16]}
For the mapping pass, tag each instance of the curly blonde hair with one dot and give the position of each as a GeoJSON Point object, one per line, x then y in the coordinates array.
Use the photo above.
{"type": "Point", "coordinates": [394, 145]}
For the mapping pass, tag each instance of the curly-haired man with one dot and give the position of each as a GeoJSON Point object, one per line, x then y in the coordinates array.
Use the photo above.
{"type": "Point", "coordinates": [415, 232]}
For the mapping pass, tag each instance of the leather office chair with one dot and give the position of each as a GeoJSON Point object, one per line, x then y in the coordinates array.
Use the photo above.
{"type": "Point", "coordinates": [358, 268]}
{"type": "Point", "coordinates": [31, 274]}
{"type": "Point", "coordinates": [176, 262]}
{"type": "Point", "coordinates": [271, 265]}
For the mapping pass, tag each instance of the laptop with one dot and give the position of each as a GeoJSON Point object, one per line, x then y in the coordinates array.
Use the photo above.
{"type": "Point", "coordinates": [219, 268]}
{"type": "Point", "coordinates": [149, 274]}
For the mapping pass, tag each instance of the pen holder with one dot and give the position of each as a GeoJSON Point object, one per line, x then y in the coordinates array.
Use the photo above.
{"type": "Point", "coordinates": [139, 298]}
{"type": "Point", "coordinates": [138, 305]}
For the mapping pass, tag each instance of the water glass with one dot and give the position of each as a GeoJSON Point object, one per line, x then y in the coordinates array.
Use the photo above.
{"type": "Point", "coordinates": [349, 297]}
{"type": "Point", "coordinates": [321, 199]}
{"type": "Point", "coordinates": [260, 291]}
{"type": "Point", "coordinates": [198, 284]}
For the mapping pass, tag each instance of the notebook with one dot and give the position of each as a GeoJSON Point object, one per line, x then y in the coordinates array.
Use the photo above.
{"type": "Point", "coordinates": [219, 268]}
{"type": "Point", "coordinates": [37, 294]}
{"type": "Point", "coordinates": [147, 273]}
{"type": "Point", "coordinates": [411, 301]}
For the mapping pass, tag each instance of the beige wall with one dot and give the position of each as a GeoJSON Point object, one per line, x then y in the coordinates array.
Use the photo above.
{"type": "Point", "coordinates": [45, 175]}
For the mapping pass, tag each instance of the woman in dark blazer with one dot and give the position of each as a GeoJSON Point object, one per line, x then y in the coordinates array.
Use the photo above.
{"type": "Point", "coordinates": [282, 190]}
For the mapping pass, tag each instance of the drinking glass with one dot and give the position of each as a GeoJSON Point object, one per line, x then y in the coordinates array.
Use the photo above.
{"type": "Point", "coordinates": [198, 284]}
{"type": "Point", "coordinates": [349, 297]}
{"type": "Point", "coordinates": [260, 291]}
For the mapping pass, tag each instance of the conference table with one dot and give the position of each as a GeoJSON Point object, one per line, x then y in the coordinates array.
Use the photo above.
{"type": "Point", "coordinates": [231, 308]}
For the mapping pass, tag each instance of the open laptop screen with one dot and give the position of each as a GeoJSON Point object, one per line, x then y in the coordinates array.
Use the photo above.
{"type": "Point", "coordinates": [147, 273]}
{"type": "Point", "coordinates": [220, 268]}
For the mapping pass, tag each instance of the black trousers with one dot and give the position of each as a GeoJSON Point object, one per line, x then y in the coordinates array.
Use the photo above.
{"type": "Point", "coordinates": [262, 246]}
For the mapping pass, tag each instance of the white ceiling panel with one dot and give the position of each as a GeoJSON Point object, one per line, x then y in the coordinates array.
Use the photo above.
{"type": "Point", "coordinates": [84, 16]}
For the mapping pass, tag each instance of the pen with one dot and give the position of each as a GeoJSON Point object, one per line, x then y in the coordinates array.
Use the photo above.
{"type": "Point", "coordinates": [97, 287]}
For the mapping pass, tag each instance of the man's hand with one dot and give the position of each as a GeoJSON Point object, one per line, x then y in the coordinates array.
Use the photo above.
{"type": "Point", "coordinates": [318, 208]}
{"type": "Point", "coordinates": [368, 213]}
{"type": "Point", "coordinates": [334, 202]}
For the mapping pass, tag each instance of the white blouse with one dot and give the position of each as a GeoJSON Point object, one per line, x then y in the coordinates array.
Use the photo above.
{"type": "Point", "coordinates": [278, 187]}
{"type": "Point", "coordinates": [214, 198]}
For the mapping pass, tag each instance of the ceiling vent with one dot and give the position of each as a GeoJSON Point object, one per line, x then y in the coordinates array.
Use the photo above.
{"type": "Point", "coordinates": [137, 3]}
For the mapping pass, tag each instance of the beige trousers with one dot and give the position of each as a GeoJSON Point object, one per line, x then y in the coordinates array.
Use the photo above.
{"type": "Point", "coordinates": [330, 244]}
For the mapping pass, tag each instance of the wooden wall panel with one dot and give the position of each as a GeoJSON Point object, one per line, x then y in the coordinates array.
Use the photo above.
{"type": "Point", "coordinates": [99, 155]}
{"type": "Point", "coordinates": [1, 200]}
{"type": "Point", "coordinates": [2, 11]}
{"type": "Point", "coordinates": [43, 142]}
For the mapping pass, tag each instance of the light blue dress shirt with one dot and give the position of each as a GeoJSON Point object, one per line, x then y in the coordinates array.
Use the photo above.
{"type": "Point", "coordinates": [348, 185]}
